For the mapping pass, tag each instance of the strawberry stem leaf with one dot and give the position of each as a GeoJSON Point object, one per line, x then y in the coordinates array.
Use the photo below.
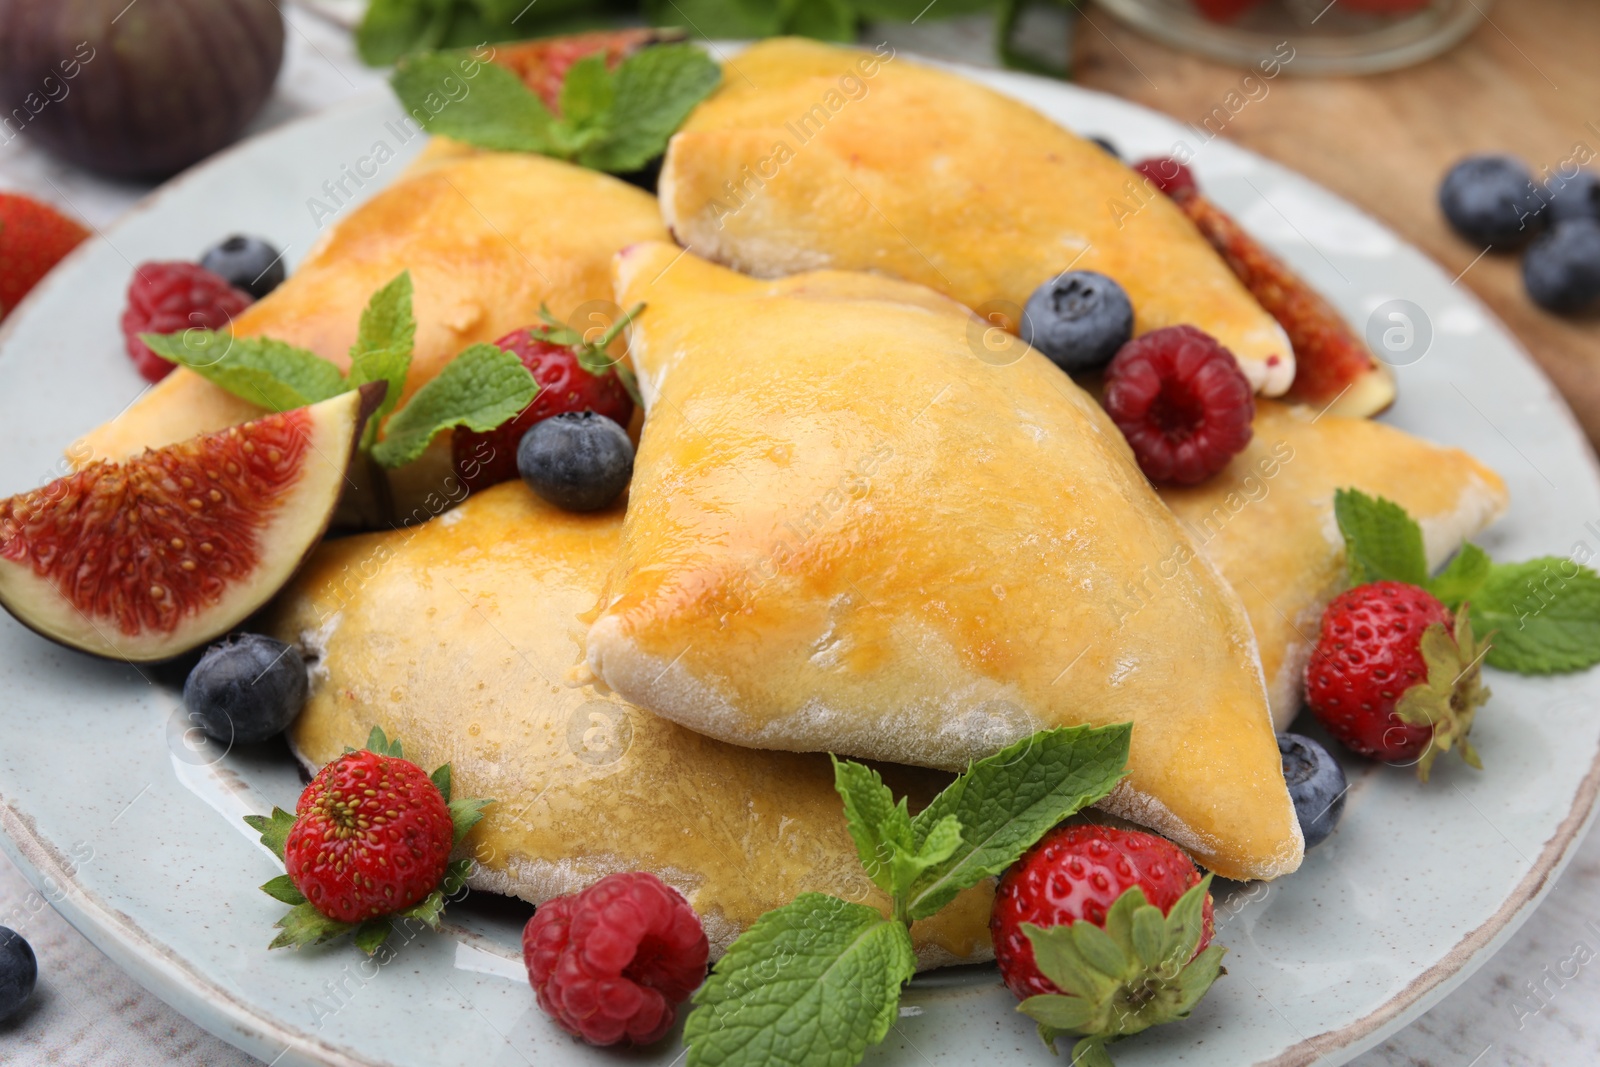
{"type": "Point", "coordinates": [441, 781]}
{"type": "Point", "coordinates": [379, 743]}
{"type": "Point", "coordinates": [371, 935]}
{"type": "Point", "coordinates": [281, 888]}
{"type": "Point", "coordinates": [1449, 700]}
{"type": "Point", "coordinates": [274, 829]}
{"type": "Point", "coordinates": [464, 815]}
{"type": "Point", "coordinates": [305, 925]}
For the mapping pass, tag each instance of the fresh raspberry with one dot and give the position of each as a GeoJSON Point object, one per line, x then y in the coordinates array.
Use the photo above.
{"type": "Point", "coordinates": [33, 238]}
{"type": "Point", "coordinates": [170, 297]}
{"type": "Point", "coordinates": [1074, 874]}
{"type": "Point", "coordinates": [555, 360]}
{"type": "Point", "coordinates": [1182, 402]}
{"type": "Point", "coordinates": [1370, 682]}
{"type": "Point", "coordinates": [1168, 175]}
{"type": "Point", "coordinates": [613, 962]}
{"type": "Point", "coordinates": [372, 836]}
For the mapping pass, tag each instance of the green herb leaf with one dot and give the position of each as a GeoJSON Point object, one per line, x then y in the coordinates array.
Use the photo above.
{"type": "Point", "coordinates": [267, 373]}
{"type": "Point", "coordinates": [726, 19]}
{"type": "Point", "coordinates": [274, 830]}
{"type": "Point", "coordinates": [371, 935]}
{"type": "Point", "coordinates": [1462, 577]}
{"type": "Point", "coordinates": [814, 982]}
{"type": "Point", "coordinates": [1381, 541]}
{"type": "Point", "coordinates": [456, 95]}
{"type": "Point", "coordinates": [1006, 802]}
{"type": "Point", "coordinates": [1544, 614]}
{"type": "Point", "coordinates": [588, 93]}
{"type": "Point", "coordinates": [391, 28]}
{"type": "Point", "coordinates": [281, 889]}
{"type": "Point", "coordinates": [441, 781]}
{"type": "Point", "coordinates": [384, 342]}
{"type": "Point", "coordinates": [655, 89]}
{"type": "Point", "coordinates": [305, 925]}
{"type": "Point", "coordinates": [826, 20]}
{"type": "Point", "coordinates": [480, 389]}
{"type": "Point", "coordinates": [877, 825]}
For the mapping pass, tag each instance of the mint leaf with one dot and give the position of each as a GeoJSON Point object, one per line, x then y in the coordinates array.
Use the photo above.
{"type": "Point", "coordinates": [391, 28]}
{"type": "Point", "coordinates": [267, 373]}
{"type": "Point", "coordinates": [726, 19]}
{"type": "Point", "coordinates": [384, 342]}
{"type": "Point", "coordinates": [282, 889]}
{"type": "Point", "coordinates": [490, 107]}
{"type": "Point", "coordinates": [1006, 802]}
{"type": "Point", "coordinates": [814, 982]}
{"type": "Point", "coordinates": [588, 92]}
{"type": "Point", "coordinates": [1544, 615]}
{"type": "Point", "coordinates": [1381, 542]}
{"type": "Point", "coordinates": [655, 90]}
{"type": "Point", "coordinates": [1461, 579]}
{"type": "Point", "coordinates": [877, 825]}
{"type": "Point", "coordinates": [274, 830]}
{"type": "Point", "coordinates": [480, 389]}
{"type": "Point", "coordinates": [906, 866]}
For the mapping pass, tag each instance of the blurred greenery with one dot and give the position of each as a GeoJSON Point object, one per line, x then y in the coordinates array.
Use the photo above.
{"type": "Point", "coordinates": [394, 28]}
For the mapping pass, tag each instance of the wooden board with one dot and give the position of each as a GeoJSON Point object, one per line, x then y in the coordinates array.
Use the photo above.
{"type": "Point", "coordinates": [1526, 82]}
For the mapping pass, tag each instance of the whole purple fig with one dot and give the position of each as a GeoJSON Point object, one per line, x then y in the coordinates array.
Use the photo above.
{"type": "Point", "coordinates": [137, 90]}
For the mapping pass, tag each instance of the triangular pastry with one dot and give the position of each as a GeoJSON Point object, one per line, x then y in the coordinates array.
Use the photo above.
{"type": "Point", "coordinates": [1267, 520]}
{"type": "Point", "coordinates": [847, 532]}
{"type": "Point", "coordinates": [488, 237]}
{"type": "Point", "coordinates": [812, 156]}
{"type": "Point", "coordinates": [456, 636]}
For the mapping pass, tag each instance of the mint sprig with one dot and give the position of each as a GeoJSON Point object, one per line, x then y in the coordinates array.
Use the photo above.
{"type": "Point", "coordinates": [612, 120]}
{"type": "Point", "coordinates": [1543, 616]}
{"type": "Point", "coordinates": [817, 981]}
{"type": "Point", "coordinates": [304, 925]}
{"type": "Point", "coordinates": [481, 388]}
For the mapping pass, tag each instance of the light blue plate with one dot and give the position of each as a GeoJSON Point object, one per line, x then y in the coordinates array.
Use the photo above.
{"type": "Point", "coordinates": [137, 838]}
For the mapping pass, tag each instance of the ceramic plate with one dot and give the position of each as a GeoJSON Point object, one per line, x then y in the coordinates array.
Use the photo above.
{"type": "Point", "coordinates": [137, 839]}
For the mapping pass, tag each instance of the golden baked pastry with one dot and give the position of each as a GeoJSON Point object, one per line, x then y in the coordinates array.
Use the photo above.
{"type": "Point", "coordinates": [813, 156]}
{"type": "Point", "coordinates": [847, 532]}
{"type": "Point", "coordinates": [488, 238]}
{"type": "Point", "coordinates": [1267, 520]}
{"type": "Point", "coordinates": [456, 637]}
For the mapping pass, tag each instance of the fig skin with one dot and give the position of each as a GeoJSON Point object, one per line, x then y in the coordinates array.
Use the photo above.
{"type": "Point", "coordinates": [164, 85]}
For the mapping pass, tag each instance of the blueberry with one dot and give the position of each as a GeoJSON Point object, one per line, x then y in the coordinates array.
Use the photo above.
{"type": "Point", "coordinates": [248, 263]}
{"type": "Point", "coordinates": [246, 689]}
{"type": "Point", "coordinates": [1577, 197]}
{"type": "Point", "coordinates": [1110, 148]}
{"type": "Point", "coordinates": [1316, 785]}
{"type": "Point", "coordinates": [578, 460]}
{"type": "Point", "coordinates": [1491, 200]}
{"type": "Point", "coordinates": [18, 972]}
{"type": "Point", "coordinates": [1562, 269]}
{"type": "Point", "coordinates": [1079, 319]}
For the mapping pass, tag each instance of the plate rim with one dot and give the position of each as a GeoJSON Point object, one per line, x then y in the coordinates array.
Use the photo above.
{"type": "Point", "coordinates": [178, 983]}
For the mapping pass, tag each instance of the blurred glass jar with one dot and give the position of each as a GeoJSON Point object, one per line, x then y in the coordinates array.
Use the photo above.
{"type": "Point", "coordinates": [1328, 36]}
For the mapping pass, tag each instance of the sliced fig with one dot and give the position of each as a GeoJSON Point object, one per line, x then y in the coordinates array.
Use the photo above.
{"type": "Point", "coordinates": [149, 558]}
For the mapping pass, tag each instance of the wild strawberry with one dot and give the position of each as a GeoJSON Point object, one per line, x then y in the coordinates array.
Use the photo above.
{"type": "Point", "coordinates": [172, 297]}
{"type": "Point", "coordinates": [372, 836]}
{"type": "Point", "coordinates": [1395, 676]}
{"type": "Point", "coordinates": [33, 238]}
{"type": "Point", "coordinates": [1182, 402]}
{"type": "Point", "coordinates": [613, 962]}
{"type": "Point", "coordinates": [1150, 965]}
{"type": "Point", "coordinates": [573, 375]}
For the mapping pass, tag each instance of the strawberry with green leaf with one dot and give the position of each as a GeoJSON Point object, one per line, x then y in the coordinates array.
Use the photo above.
{"type": "Point", "coordinates": [818, 980]}
{"type": "Point", "coordinates": [369, 842]}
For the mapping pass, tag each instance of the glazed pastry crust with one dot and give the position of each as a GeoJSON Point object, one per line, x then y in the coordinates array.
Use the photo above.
{"type": "Point", "coordinates": [812, 156]}
{"type": "Point", "coordinates": [487, 236]}
{"type": "Point", "coordinates": [457, 637]}
{"type": "Point", "coordinates": [1267, 520]}
{"type": "Point", "coordinates": [848, 532]}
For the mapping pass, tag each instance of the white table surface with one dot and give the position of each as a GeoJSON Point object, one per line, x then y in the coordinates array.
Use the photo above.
{"type": "Point", "coordinates": [1536, 1003]}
